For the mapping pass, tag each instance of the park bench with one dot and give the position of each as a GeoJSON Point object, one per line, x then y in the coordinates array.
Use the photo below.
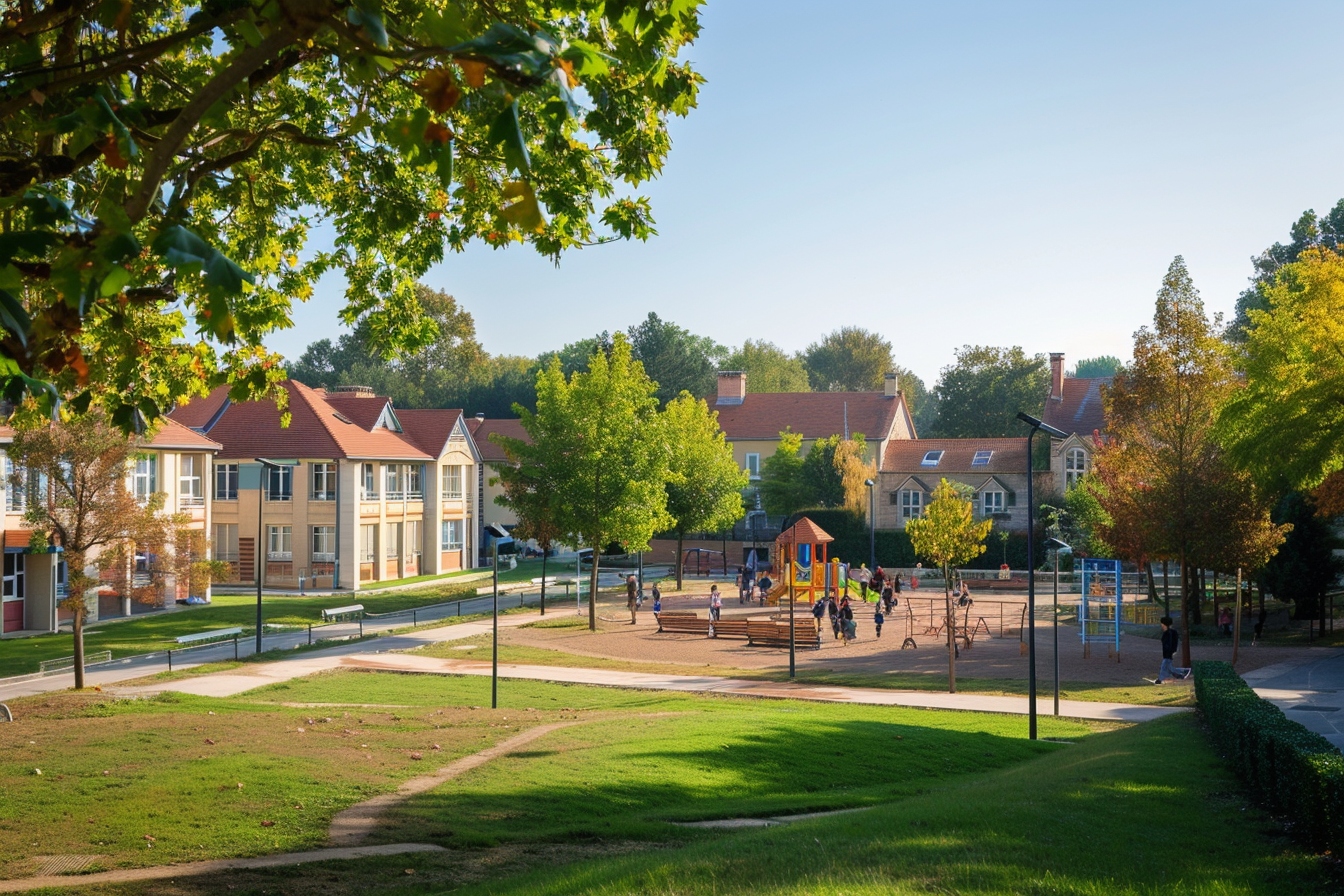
{"type": "Point", "coordinates": [681, 623]}
{"type": "Point", "coordinates": [201, 637]}
{"type": "Point", "coordinates": [338, 612]}
{"type": "Point", "coordinates": [731, 628]}
{"type": "Point", "coordinates": [775, 634]}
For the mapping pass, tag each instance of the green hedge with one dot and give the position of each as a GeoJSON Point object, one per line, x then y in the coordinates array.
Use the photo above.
{"type": "Point", "coordinates": [850, 531]}
{"type": "Point", "coordinates": [1292, 771]}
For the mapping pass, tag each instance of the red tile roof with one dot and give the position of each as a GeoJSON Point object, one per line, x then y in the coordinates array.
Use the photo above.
{"type": "Point", "coordinates": [197, 413]}
{"type": "Point", "coordinates": [907, 455]}
{"type": "Point", "coordinates": [172, 435]}
{"type": "Point", "coordinates": [1079, 409]}
{"type": "Point", "coordinates": [804, 532]}
{"type": "Point", "coordinates": [364, 408]}
{"type": "Point", "coordinates": [482, 429]}
{"type": "Point", "coordinates": [815, 415]}
{"type": "Point", "coordinates": [428, 429]}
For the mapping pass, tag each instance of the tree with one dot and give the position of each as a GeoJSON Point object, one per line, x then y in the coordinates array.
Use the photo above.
{"type": "Point", "coordinates": [675, 358]}
{"type": "Point", "coordinates": [981, 394]}
{"type": "Point", "coordinates": [949, 535]}
{"type": "Point", "coordinates": [783, 489]}
{"type": "Point", "coordinates": [85, 506]}
{"type": "Point", "coordinates": [704, 482]}
{"type": "Point", "coordinates": [496, 386]}
{"type": "Point", "coordinates": [768, 367]}
{"type": "Point", "coordinates": [1305, 567]}
{"type": "Point", "coordinates": [1309, 232]}
{"type": "Point", "coordinates": [531, 495]}
{"type": "Point", "coordinates": [597, 441]}
{"type": "Point", "coordinates": [1287, 425]}
{"type": "Point", "coordinates": [833, 473]}
{"type": "Point", "coordinates": [1168, 487]}
{"type": "Point", "coordinates": [850, 359]}
{"type": "Point", "coordinates": [918, 402]}
{"type": "Point", "coordinates": [1102, 365]}
{"type": "Point", "coordinates": [164, 162]}
{"type": "Point", "coordinates": [1081, 519]}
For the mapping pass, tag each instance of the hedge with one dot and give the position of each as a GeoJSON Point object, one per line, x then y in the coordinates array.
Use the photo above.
{"type": "Point", "coordinates": [850, 531]}
{"type": "Point", "coordinates": [1291, 771]}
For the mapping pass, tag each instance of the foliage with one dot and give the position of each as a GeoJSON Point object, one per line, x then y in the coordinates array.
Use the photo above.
{"type": "Point", "coordinates": [704, 482]}
{"type": "Point", "coordinates": [1287, 425]}
{"type": "Point", "coordinates": [1102, 365]}
{"type": "Point", "coordinates": [822, 479]}
{"type": "Point", "coordinates": [981, 394]}
{"type": "Point", "coordinates": [1290, 770]}
{"type": "Point", "coordinates": [676, 359]}
{"type": "Point", "coordinates": [918, 401]}
{"type": "Point", "coordinates": [1310, 232]}
{"type": "Point", "coordinates": [949, 535]}
{"type": "Point", "coordinates": [1081, 519]}
{"type": "Point", "coordinates": [782, 487]}
{"type": "Point", "coordinates": [597, 438]}
{"type": "Point", "coordinates": [768, 367]}
{"type": "Point", "coordinates": [81, 500]}
{"type": "Point", "coordinates": [850, 359]}
{"type": "Point", "coordinates": [165, 163]}
{"type": "Point", "coordinates": [1167, 485]}
{"type": "Point", "coordinates": [1306, 566]}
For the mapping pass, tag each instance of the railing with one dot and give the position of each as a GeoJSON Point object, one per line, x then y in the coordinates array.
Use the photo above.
{"type": "Point", "coordinates": [185, 501]}
{"type": "Point", "coordinates": [46, 667]}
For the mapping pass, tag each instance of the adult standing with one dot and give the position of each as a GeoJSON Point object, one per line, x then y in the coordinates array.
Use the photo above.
{"type": "Point", "coordinates": [879, 581]}
{"type": "Point", "coordinates": [1171, 639]}
{"type": "Point", "coordinates": [632, 597]}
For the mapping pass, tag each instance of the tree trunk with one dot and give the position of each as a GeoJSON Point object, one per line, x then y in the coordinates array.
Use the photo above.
{"type": "Point", "coordinates": [1186, 593]}
{"type": "Point", "coordinates": [678, 561]}
{"type": "Point", "coordinates": [78, 625]}
{"type": "Point", "coordinates": [1215, 598]}
{"type": "Point", "coordinates": [592, 593]}
{"type": "Point", "coordinates": [545, 549]}
{"type": "Point", "coordinates": [951, 637]}
{"type": "Point", "coordinates": [1196, 606]}
{"type": "Point", "coordinates": [1152, 582]}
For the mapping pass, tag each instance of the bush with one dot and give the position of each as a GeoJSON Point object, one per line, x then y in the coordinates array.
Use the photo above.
{"type": "Point", "coordinates": [1290, 770]}
{"type": "Point", "coordinates": [850, 531]}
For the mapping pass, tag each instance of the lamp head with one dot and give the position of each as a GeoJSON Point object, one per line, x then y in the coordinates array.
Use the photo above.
{"type": "Point", "coordinates": [868, 482]}
{"type": "Point", "coordinates": [1055, 544]}
{"type": "Point", "coordinates": [1044, 427]}
{"type": "Point", "coordinates": [496, 530]}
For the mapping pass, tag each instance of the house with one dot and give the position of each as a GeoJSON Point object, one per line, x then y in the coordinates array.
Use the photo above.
{"type": "Point", "coordinates": [492, 458]}
{"type": "Point", "coordinates": [1074, 405]}
{"type": "Point", "coordinates": [994, 469]}
{"type": "Point", "coordinates": [352, 492]}
{"type": "Point", "coordinates": [174, 461]}
{"type": "Point", "coordinates": [752, 422]}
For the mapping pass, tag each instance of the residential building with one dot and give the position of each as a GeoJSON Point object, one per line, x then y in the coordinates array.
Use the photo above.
{"type": "Point", "coordinates": [995, 470]}
{"type": "Point", "coordinates": [1074, 405]}
{"type": "Point", "coordinates": [492, 458]}
{"type": "Point", "coordinates": [353, 491]}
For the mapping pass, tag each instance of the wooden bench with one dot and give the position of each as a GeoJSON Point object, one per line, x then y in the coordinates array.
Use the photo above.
{"type": "Point", "coordinates": [209, 636]}
{"type": "Point", "coordinates": [691, 624]}
{"type": "Point", "coordinates": [775, 634]}
{"type": "Point", "coordinates": [337, 612]}
{"type": "Point", "coordinates": [731, 628]}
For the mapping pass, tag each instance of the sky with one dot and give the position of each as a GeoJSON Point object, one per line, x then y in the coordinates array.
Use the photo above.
{"type": "Point", "coordinates": [945, 174]}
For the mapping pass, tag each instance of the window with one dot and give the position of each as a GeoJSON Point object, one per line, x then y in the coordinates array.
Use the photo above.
{"type": "Point", "coordinates": [413, 541]}
{"type": "Point", "coordinates": [992, 503]}
{"type": "Point", "coordinates": [226, 482]}
{"type": "Point", "coordinates": [1075, 467]}
{"type": "Point", "coordinates": [226, 542]}
{"type": "Point", "coordinates": [931, 458]}
{"type": "Point", "coordinates": [144, 478]}
{"type": "Point", "coordinates": [279, 483]}
{"type": "Point", "coordinates": [14, 575]}
{"type": "Point", "coordinates": [324, 544]}
{"type": "Point", "coordinates": [278, 543]}
{"type": "Point", "coordinates": [754, 466]}
{"type": "Point", "coordinates": [392, 482]}
{"type": "Point", "coordinates": [16, 493]}
{"type": "Point", "coordinates": [412, 478]}
{"type": "Point", "coordinates": [912, 504]}
{"type": "Point", "coordinates": [452, 482]}
{"type": "Point", "coordinates": [368, 549]}
{"type": "Point", "coordinates": [981, 458]}
{"type": "Point", "coordinates": [369, 483]}
{"type": "Point", "coordinates": [191, 485]}
{"type": "Point", "coordinates": [324, 482]}
{"type": "Point", "coordinates": [452, 535]}
{"type": "Point", "coordinates": [392, 544]}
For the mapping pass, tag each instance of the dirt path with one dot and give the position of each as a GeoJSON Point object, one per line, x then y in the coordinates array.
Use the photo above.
{"type": "Point", "coordinates": [351, 826]}
{"type": "Point", "coordinates": [192, 869]}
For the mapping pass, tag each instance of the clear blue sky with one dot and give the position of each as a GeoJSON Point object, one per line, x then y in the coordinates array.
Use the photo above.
{"type": "Point", "coordinates": [947, 174]}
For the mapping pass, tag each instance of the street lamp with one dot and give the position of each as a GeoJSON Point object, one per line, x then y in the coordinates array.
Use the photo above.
{"type": "Point", "coordinates": [1049, 430]}
{"type": "Point", "coordinates": [1058, 547]}
{"type": "Point", "coordinates": [498, 533]}
{"type": "Point", "coordinates": [872, 526]}
{"type": "Point", "coordinates": [261, 543]}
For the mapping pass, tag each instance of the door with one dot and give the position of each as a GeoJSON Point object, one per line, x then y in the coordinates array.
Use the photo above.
{"type": "Point", "coordinates": [12, 593]}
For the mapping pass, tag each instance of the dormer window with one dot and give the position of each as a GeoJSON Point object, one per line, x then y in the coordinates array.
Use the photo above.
{"type": "Point", "coordinates": [981, 458]}
{"type": "Point", "coordinates": [931, 458]}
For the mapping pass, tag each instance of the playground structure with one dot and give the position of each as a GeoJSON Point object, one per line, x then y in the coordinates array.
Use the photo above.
{"type": "Point", "coordinates": [802, 552]}
{"type": "Point", "coordinates": [1101, 609]}
{"type": "Point", "coordinates": [992, 618]}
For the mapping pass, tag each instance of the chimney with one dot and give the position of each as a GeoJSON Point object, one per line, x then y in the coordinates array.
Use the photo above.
{"type": "Point", "coordinates": [732, 387]}
{"type": "Point", "coordinates": [891, 386]}
{"type": "Point", "coordinates": [1057, 376]}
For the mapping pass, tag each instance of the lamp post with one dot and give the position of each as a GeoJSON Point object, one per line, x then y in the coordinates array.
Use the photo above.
{"type": "Point", "coordinates": [498, 533]}
{"type": "Point", "coordinates": [1058, 547]}
{"type": "Point", "coordinates": [261, 546]}
{"type": "Point", "coordinates": [1049, 430]}
{"type": "Point", "coordinates": [872, 526]}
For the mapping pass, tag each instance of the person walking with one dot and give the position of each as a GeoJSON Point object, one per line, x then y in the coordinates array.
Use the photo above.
{"type": "Point", "coordinates": [887, 598]}
{"type": "Point", "coordinates": [632, 597]}
{"type": "Point", "coordinates": [715, 603]}
{"type": "Point", "coordinates": [833, 613]}
{"type": "Point", "coordinates": [879, 581]}
{"type": "Point", "coordinates": [1171, 639]}
{"type": "Point", "coordinates": [743, 584]}
{"type": "Point", "coordinates": [847, 627]}
{"type": "Point", "coordinates": [818, 611]}
{"type": "Point", "coordinates": [878, 619]}
{"type": "Point", "coordinates": [657, 599]}
{"type": "Point", "coordinates": [765, 585]}
{"type": "Point", "coordinates": [864, 575]}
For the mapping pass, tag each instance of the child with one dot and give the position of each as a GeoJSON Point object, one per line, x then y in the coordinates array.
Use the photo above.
{"type": "Point", "coordinates": [715, 603]}
{"type": "Point", "coordinates": [657, 599]}
{"type": "Point", "coordinates": [878, 619]}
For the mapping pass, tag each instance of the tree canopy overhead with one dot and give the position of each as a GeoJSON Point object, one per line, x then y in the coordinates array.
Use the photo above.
{"type": "Point", "coordinates": [163, 164]}
{"type": "Point", "coordinates": [1309, 231]}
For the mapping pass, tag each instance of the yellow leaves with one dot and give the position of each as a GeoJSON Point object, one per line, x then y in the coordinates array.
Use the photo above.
{"type": "Point", "coordinates": [474, 72]}
{"type": "Point", "coordinates": [522, 209]}
{"type": "Point", "coordinates": [439, 90]}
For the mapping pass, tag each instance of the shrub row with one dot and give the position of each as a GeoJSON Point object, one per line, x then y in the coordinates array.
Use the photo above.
{"type": "Point", "coordinates": [850, 531]}
{"type": "Point", "coordinates": [1291, 771]}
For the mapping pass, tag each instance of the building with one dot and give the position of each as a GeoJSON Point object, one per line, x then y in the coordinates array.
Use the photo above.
{"type": "Point", "coordinates": [994, 469]}
{"type": "Point", "coordinates": [489, 511]}
{"type": "Point", "coordinates": [353, 491]}
{"type": "Point", "coordinates": [1074, 405]}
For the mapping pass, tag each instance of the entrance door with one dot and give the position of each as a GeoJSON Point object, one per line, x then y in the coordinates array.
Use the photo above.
{"type": "Point", "coordinates": [12, 593]}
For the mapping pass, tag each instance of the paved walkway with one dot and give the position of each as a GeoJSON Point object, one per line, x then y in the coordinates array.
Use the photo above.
{"type": "Point", "coordinates": [1309, 689]}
